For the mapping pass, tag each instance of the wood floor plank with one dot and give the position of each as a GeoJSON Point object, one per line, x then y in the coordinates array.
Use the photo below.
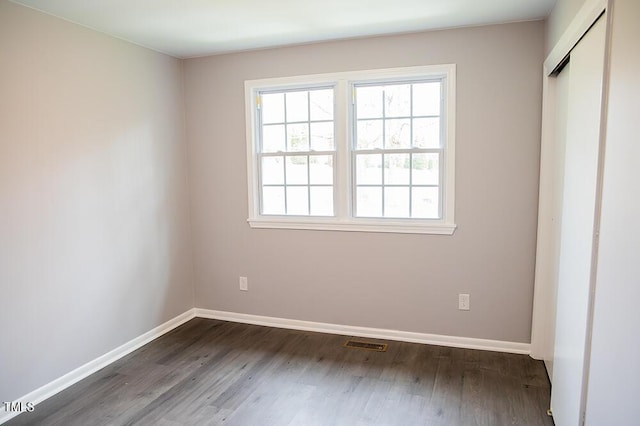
{"type": "Point", "coordinates": [209, 372]}
{"type": "Point", "coordinates": [446, 399]}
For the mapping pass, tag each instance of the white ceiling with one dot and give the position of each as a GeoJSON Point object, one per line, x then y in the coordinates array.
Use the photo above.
{"type": "Point", "coordinates": [189, 28]}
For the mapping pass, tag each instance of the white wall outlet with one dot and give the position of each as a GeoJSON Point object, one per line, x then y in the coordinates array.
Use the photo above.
{"type": "Point", "coordinates": [244, 284]}
{"type": "Point", "coordinates": [463, 302]}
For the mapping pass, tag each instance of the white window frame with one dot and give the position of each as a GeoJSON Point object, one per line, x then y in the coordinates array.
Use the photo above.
{"type": "Point", "coordinates": [344, 220]}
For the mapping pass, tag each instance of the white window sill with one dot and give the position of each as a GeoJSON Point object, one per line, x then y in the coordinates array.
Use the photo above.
{"type": "Point", "coordinates": [318, 224]}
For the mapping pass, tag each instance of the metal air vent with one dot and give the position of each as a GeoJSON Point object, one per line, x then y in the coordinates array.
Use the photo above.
{"type": "Point", "coordinates": [370, 346]}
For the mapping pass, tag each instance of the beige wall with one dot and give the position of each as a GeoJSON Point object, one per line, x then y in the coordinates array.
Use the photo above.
{"type": "Point", "coordinates": [392, 281]}
{"type": "Point", "coordinates": [95, 244]}
{"type": "Point", "coordinates": [94, 236]}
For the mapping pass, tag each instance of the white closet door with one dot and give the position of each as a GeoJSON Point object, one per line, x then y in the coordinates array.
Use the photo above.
{"type": "Point", "coordinates": [550, 246]}
{"type": "Point", "coordinates": [577, 230]}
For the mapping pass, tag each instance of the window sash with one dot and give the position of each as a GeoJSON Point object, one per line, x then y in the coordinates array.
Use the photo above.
{"type": "Point", "coordinates": [355, 152]}
{"type": "Point", "coordinates": [285, 184]}
{"type": "Point", "coordinates": [410, 184]}
{"type": "Point", "coordinates": [287, 153]}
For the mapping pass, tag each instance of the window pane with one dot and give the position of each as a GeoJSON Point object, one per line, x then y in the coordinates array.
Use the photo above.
{"type": "Point", "coordinates": [397, 100]}
{"type": "Point", "coordinates": [297, 106]}
{"type": "Point", "coordinates": [426, 99]}
{"type": "Point", "coordinates": [272, 171]}
{"type": "Point", "coordinates": [298, 137]}
{"type": "Point", "coordinates": [424, 203]}
{"type": "Point", "coordinates": [369, 102]}
{"type": "Point", "coordinates": [398, 134]}
{"type": "Point", "coordinates": [297, 200]}
{"type": "Point", "coordinates": [369, 134]}
{"type": "Point", "coordinates": [321, 169]}
{"type": "Point", "coordinates": [321, 104]}
{"type": "Point", "coordinates": [273, 138]}
{"type": "Point", "coordinates": [272, 108]}
{"type": "Point", "coordinates": [369, 169]}
{"type": "Point", "coordinates": [297, 170]}
{"type": "Point", "coordinates": [273, 200]}
{"type": "Point", "coordinates": [426, 132]}
{"type": "Point", "coordinates": [322, 136]}
{"type": "Point", "coordinates": [369, 202]}
{"type": "Point", "coordinates": [396, 202]}
{"type": "Point", "coordinates": [397, 169]}
{"type": "Point", "coordinates": [425, 169]}
{"type": "Point", "coordinates": [322, 200]}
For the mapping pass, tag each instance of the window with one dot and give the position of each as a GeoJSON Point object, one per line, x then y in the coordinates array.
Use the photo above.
{"type": "Point", "coordinates": [296, 152]}
{"type": "Point", "coordinates": [397, 149]}
{"type": "Point", "coordinates": [357, 151]}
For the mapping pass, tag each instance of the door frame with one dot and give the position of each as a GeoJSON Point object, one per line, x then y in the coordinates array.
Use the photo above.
{"type": "Point", "coordinates": [543, 320]}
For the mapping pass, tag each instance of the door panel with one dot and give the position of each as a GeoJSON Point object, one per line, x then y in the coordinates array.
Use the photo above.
{"type": "Point", "coordinates": [557, 192]}
{"type": "Point", "coordinates": [582, 141]}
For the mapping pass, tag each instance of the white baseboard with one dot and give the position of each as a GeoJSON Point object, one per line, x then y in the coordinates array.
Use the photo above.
{"type": "Point", "coordinates": [91, 367]}
{"type": "Point", "coordinates": [373, 333]}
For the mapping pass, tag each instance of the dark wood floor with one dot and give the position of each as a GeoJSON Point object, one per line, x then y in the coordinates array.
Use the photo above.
{"type": "Point", "coordinates": [209, 372]}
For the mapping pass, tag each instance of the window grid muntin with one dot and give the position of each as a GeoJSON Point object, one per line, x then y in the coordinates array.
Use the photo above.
{"type": "Point", "coordinates": [354, 151]}
{"type": "Point", "coordinates": [410, 185]}
{"type": "Point", "coordinates": [308, 185]}
{"type": "Point", "coordinates": [287, 153]}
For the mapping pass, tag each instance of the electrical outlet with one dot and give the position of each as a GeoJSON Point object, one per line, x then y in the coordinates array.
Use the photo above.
{"type": "Point", "coordinates": [244, 284]}
{"type": "Point", "coordinates": [463, 302]}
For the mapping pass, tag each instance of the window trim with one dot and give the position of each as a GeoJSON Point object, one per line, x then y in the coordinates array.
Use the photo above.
{"type": "Point", "coordinates": [343, 219]}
